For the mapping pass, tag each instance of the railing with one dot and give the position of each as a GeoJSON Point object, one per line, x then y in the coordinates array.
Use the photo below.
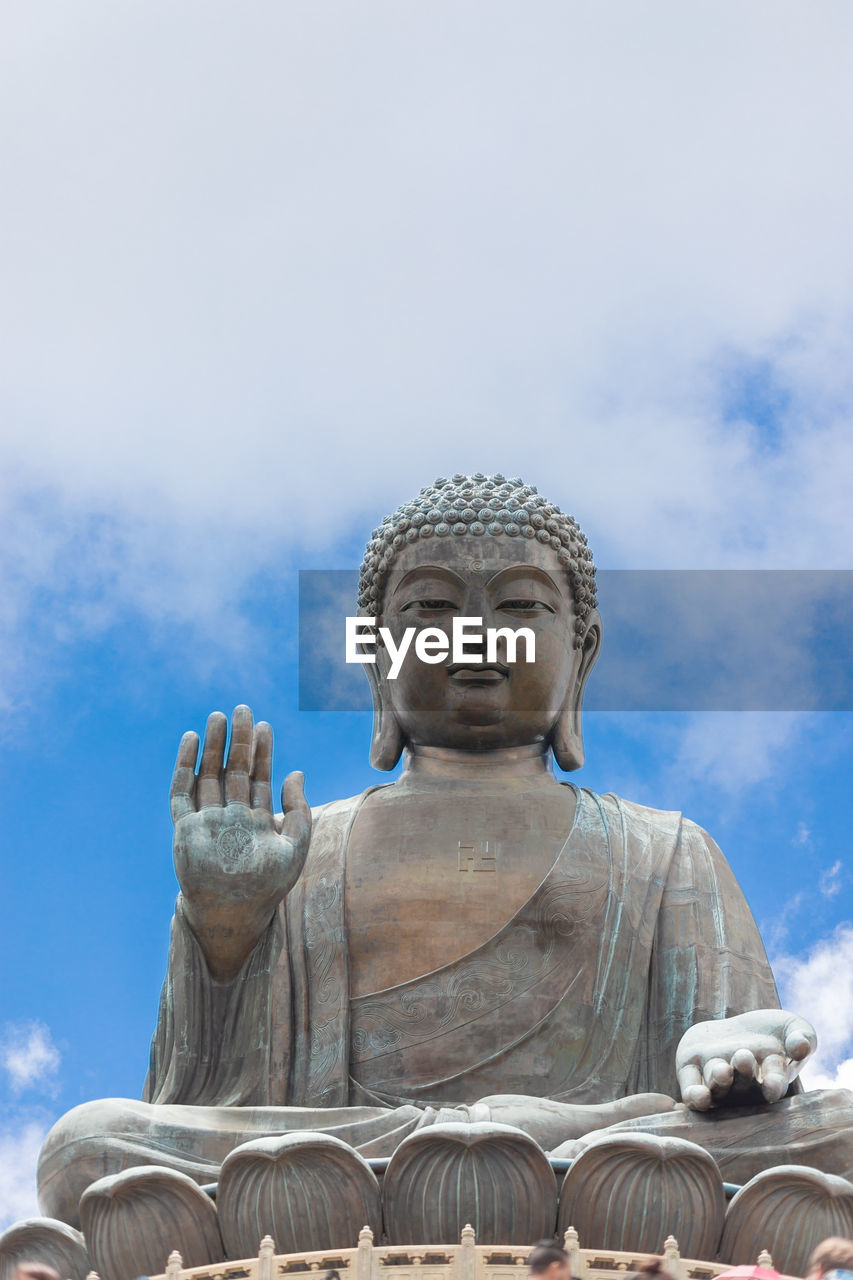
{"type": "Point", "coordinates": [464, 1261]}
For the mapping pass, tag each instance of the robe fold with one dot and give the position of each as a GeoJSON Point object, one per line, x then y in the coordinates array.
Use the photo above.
{"type": "Point", "coordinates": [637, 931]}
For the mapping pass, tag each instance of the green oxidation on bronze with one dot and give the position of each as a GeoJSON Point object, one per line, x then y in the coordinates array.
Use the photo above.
{"type": "Point", "coordinates": [474, 943]}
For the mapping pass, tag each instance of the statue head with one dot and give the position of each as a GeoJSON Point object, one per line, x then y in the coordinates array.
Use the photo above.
{"type": "Point", "coordinates": [482, 546]}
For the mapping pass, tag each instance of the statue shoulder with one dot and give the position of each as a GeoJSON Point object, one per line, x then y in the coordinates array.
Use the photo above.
{"type": "Point", "coordinates": [336, 811]}
{"type": "Point", "coordinates": [332, 821]}
{"type": "Point", "coordinates": [615, 810]}
{"type": "Point", "coordinates": [667, 823]}
{"type": "Point", "coordinates": [692, 857]}
{"type": "Point", "coordinates": [330, 826]}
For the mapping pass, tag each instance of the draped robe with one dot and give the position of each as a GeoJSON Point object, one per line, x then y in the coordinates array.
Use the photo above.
{"type": "Point", "coordinates": [637, 931]}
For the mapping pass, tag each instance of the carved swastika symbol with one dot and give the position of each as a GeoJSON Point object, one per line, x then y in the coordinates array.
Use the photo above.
{"type": "Point", "coordinates": [476, 857]}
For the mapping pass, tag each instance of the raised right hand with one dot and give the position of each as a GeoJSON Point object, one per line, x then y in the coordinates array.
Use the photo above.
{"type": "Point", "coordinates": [234, 859]}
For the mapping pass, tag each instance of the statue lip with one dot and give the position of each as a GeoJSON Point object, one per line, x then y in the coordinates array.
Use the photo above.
{"type": "Point", "coordinates": [484, 673]}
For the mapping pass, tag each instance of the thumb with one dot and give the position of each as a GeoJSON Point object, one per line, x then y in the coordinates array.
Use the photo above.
{"type": "Point", "coordinates": [297, 814]}
{"type": "Point", "coordinates": [800, 1039]}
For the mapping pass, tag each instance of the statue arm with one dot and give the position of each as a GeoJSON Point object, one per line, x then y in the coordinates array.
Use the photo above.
{"type": "Point", "coordinates": [704, 903]}
{"type": "Point", "coordinates": [708, 959]}
{"type": "Point", "coordinates": [236, 862]}
{"type": "Point", "coordinates": [714, 1007]}
{"type": "Point", "coordinates": [213, 1041]}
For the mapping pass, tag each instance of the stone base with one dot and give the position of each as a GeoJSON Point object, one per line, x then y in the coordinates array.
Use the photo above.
{"type": "Point", "coordinates": [47, 1241]}
{"type": "Point", "coordinates": [305, 1190]}
{"type": "Point", "coordinates": [465, 1260]}
{"type": "Point", "coordinates": [787, 1210]}
{"type": "Point", "coordinates": [129, 1218]}
{"type": "Point", "coordinates": [632, 1190]}
{"type": "Point", "coordinates": [625, 1192]}
{"type": "Point", "coordinates": [492, 1176]}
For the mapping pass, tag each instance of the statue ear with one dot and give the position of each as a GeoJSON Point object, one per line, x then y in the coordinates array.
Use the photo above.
{"type": "Point", "coordinates": [567, 733]}
{"type": "Point", "coordinates": [386, 745]}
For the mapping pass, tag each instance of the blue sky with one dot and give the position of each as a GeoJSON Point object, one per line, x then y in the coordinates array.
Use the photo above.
{"type": "Point", "coordinates": [268, 269]}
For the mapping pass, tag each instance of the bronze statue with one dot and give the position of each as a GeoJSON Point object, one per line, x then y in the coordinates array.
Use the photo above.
{"type": "Point", "coordinates": [475, 941]}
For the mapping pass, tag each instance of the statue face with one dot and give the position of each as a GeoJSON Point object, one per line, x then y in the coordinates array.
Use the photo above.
{"type": "Point", "coordinates": [508, 582]}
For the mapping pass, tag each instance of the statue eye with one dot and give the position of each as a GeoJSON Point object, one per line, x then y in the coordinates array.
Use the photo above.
{"type": "Point", "coordinates": [525, 606]}
{"type": "Point", "coordinates": [431, 605]}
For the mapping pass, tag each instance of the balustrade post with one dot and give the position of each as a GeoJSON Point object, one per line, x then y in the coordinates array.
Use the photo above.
{"type": "Point", "coordinates": [572, 1246]}
{"type": "Point", "coordinates": [174, 1266]}
{"type": "Point", "coordinates": [364, 1260]}
{"type": "Point", "coordinates": [266, 1252]}
{"type": "Point", "coordinates": [672, 1259]}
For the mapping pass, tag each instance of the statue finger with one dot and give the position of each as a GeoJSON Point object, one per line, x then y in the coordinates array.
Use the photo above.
{"type": "Point", "coordinates": [181, 801]}
{"type": "Point", "coordinates": [718, 1074]}
{"type": "Point", "coordinates": [744, 1063]}
{"type": "Point", "coordinates": [239, 757]}
{"type": "Point", "coordinates": [800, 1040]}
{"type": "Point", "coordinates": [212, 755]}
{"type": "Point", "coordinates": [261, 772]}
{"type": "Point", "coordinates": [774, 1077]}
{"type": "Point", "coordinates": [297, 815]}
{"type": "Point", "coordinates": [693, 1089]}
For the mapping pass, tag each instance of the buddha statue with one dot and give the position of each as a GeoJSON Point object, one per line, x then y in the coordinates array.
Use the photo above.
{"type": "Point", "coordinates": [476, 941]}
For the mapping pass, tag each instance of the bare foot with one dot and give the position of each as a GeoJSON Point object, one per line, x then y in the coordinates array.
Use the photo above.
{"type": "Point", "coordinates": [552, 1123]}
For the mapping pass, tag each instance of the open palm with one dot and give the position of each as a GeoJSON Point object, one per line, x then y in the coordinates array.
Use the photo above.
{"type": "Point", "coordinates": [234, 859]}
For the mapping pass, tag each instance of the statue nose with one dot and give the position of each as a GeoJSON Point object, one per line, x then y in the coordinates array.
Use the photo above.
{"type": "Point", "coordinates": [475, 643]}
{"type": "Point", "coordinates": [477, 607]}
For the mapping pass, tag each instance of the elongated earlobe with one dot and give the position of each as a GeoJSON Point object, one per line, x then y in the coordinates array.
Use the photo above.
{"type": "Point", "coordinates": [567, 740]}
{"type": "Point", "coordinates": [567, 733]}
{"type": "Point", "coordinates": [386, 745]}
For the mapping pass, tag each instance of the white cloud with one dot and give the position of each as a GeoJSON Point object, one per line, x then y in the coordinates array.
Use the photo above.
{"type": "Point", "coordinates": [247, 313]}
{"type": "Point", "coordinates": [840, 1078]}
{"type": "Point", "coordinates": [20, 1142]}
{"type": "Point", "coordinates": [776, 931]}
{"type": "Point", "coordinates": [820, 987]}
{"type": "Point", "coordinates": [830, 880]}
{"type": "Point", "coordinates": [29, 1061]}
{"type": "Point", "coordinates": [735, 751]}
{"type": "Point", "coordinates": [29, 1057]}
